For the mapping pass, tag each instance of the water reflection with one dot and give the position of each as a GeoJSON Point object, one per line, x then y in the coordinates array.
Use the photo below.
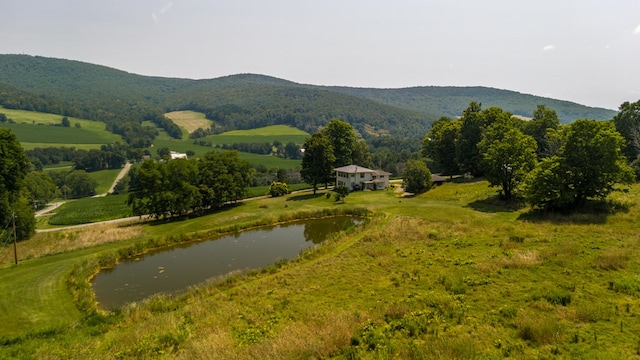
{"type": "Point", "coordinates": [175, 269]}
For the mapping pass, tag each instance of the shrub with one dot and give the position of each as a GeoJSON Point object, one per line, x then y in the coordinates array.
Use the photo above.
{"type": "Point", "coordinates": [278, 188]}
{"type": "Point", "coordinates": [341, 192]}
{"type": "Point", "coordinates": [555, 297]}
{"type": "Point", "coordinates": [538, 329]}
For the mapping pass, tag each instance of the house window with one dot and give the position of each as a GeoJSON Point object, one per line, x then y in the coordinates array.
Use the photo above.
{"type": "Point", "coordinates": [353, 175]}
{"type": "Point", "coordinates": [361, 175]}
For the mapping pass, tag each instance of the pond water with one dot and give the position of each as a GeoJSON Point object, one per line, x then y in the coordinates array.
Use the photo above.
{"type": "Point", "coordinates": [175, 269]}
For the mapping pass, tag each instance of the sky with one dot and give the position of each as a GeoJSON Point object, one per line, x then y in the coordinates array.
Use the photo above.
{"type": "Point", "coordinates": [585, 51]}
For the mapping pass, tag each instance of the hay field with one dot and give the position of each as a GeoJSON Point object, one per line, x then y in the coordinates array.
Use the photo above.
{"type": "Point", "coordinates": [189, 120]}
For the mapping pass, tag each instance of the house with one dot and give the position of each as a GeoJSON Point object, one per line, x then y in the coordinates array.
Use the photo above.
{"type": "Point", "coordinates": [356, 177]}
{"type": "Point", "coordinates": [177, 155]}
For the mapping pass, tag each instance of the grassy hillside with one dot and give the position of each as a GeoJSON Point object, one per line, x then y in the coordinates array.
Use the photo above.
{"type": "Point", "coordinates": [36, 129]}
{"type": "Point", "coordinates": [448, 274]}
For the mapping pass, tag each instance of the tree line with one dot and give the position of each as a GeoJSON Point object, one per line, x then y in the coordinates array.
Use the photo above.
{"type": "Point", "coordinates": [551, 166]}
{"type": "Point", "coordinates": [181, 186]}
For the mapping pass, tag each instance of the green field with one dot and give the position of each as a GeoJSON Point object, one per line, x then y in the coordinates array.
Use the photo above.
{"type": "Point", "coordinates": [282, 133]}
{"type": "Point", "coordinates": [35, 129]}
{"type": "Point", "coordinates": [452, 273]}
{"type": "Point", "coordinates": [266, 160]}
{"type": "Point", "coordinates": [90, 210]}
{"type": "Point", "coordinates": [104, 178]}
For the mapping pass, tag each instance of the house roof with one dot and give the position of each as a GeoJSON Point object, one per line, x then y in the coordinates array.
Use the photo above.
{"type": "Point", "coordinates": [438, 179]}
{"type": "Point", "coordinates": [355, 169]}
{"type": "Point", "coordinates": [380, 172]}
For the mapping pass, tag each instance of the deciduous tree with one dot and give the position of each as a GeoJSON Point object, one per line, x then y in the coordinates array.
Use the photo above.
{"type": "Point", "coordinates": [416, 176]}
{"type": "Point", "coordinates": [440, 144]}
{"type": "Point", "coordinates": [343, 139]}
{"type": "Point", "coordinates": [467, 154]}
{"type": "Point", "coordinates": [14, 166]}
{"type": "Point", "coordinates": [318, 160]}
{"type": "Point", "coordinates": [627, 122]}
{"type": "Point", "coordinates": [508, 156]}
{"type": "Point", "coordinates": [589, 165]}
{"type": "Point", "coordinates": [41, 189]}
{"type": "Point", "coordinates": [543, 121]}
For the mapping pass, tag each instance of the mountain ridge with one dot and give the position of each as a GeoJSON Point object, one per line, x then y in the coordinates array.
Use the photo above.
{"type": "Point", "coordinates": [242, 101]}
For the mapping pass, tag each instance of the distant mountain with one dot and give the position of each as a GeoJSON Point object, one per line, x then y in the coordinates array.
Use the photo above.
{"type": "Point", "coordinates": [123, 100]}
{"type": "Point", "coordinates": [450, 101]}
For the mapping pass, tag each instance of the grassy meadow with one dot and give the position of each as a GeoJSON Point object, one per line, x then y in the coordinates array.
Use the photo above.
{"type": "Point", "coordinates": [35, 129]}
{"type": "Point", "coordinates": [451, 273]}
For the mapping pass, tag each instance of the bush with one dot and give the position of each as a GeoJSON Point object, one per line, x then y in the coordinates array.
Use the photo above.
{"type": "Point", "coordinates": [341, 192]}
{"type": "Point", "coordinates": [278, 188]}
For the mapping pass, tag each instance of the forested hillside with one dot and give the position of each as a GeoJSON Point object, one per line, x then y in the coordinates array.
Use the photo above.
{"type": "Point", "coordinates": [451, 101]}
{"type": "Point", "coordinates": [123, 100]}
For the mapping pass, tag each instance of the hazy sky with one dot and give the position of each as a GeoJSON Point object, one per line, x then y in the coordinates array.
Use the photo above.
{"type": "Point", "coordinates": [586, 51]}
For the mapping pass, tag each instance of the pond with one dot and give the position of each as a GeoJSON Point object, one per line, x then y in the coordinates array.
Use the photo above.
{"type": "Point", "coordinates": [177, 268]}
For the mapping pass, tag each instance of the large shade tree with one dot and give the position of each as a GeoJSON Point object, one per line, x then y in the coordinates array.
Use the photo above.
{"type": "Point", "coordinates": [14, 166]}
{"type": "Point", "coordinates": [318, 160]}
{"type": "Point", "coordinates": [543, 121]}
{"type": "Point", "coordinates": [588, 166]}
{"type": "Point", "coordinates": [440, 145]}
{"type": "Point", "coordinates": [41, 189]}
{"type": "Point", "coordinates": [343, 140]}
{"type": "Point", "coordinates": [467, 154]}
{"type": "Point", "coordinates": [508, 156]}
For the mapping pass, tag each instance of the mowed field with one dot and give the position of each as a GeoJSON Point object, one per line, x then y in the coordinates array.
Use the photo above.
{"type": "Point", "coordinates": [189, 120]}
{"type": "Point", "coordinates": [35, 129]}
{"type": "Point", "coordinates": [282, 133]}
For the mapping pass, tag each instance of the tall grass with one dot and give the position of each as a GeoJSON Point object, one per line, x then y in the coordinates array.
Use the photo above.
{"type": "Point", "coordinates": [434, 276]}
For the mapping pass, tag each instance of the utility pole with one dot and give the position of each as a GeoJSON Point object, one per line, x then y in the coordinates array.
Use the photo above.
{"type": "Point", "coordinates": [15, 239]}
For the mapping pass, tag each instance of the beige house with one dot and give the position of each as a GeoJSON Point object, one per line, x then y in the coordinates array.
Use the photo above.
{"type": "Point", "coordinates": [360, 178]}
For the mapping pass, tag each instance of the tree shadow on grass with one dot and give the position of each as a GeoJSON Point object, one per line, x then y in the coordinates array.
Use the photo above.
{"type": "Point", "coordinates": [593, 212]}
{"type": "Point", "coordinates": [302, 197]}
{"type": "Point", "coordinates": [194, 215]}
{"type": "Point", "coordinates": [494, 204]}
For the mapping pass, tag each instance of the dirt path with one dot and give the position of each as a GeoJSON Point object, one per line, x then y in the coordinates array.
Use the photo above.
{"type": "Point", "coordinates": [122, 173]}
{"type": "Point", "coordinates": [49, 208]}
{"type": "Point", "coordinates": [115, 221]}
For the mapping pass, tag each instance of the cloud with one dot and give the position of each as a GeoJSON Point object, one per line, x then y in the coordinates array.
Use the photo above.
{"type": "Point", "coordinates": [549, 48]}
{"type": "Point", "coordinates": [165, 9]}
{"type": "Point", "coordinates": [636, 31]}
